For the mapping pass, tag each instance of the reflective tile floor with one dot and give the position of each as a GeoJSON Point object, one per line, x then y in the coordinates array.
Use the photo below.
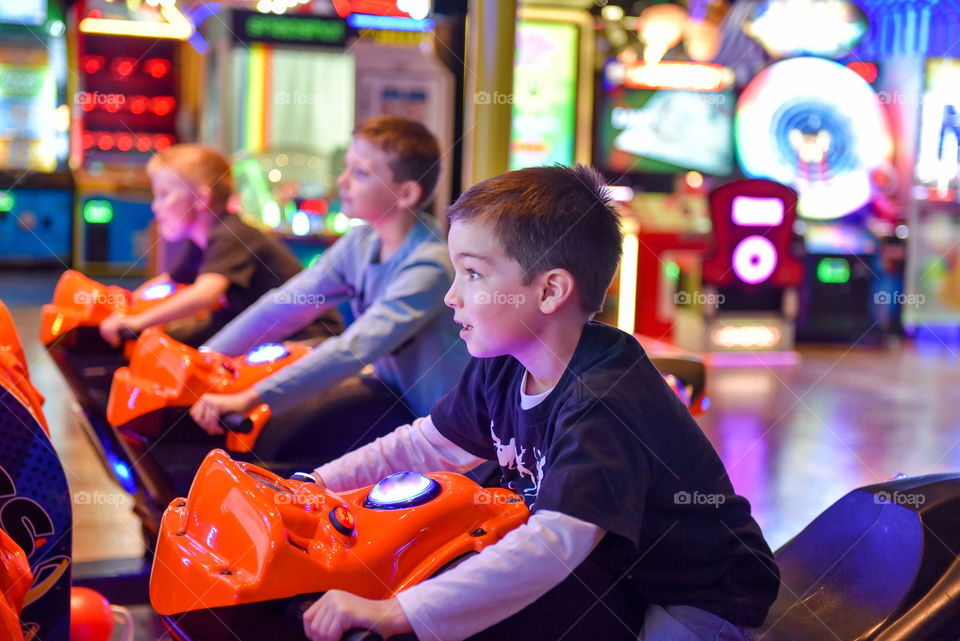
{"type": "Point", "coordinates": [794, 439]}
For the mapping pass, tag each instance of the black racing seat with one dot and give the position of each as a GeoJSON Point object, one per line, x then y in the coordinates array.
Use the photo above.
{"type": "Point", "coordinates": [880, 565]}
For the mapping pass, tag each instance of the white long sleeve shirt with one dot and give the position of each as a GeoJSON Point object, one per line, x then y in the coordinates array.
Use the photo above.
{"type": "Point", "coordinates": [459, 603]}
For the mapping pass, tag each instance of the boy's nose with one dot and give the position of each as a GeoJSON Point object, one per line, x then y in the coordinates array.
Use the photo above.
{"type": "Point", "coordinates": [450, 298]}
{"type": "Point", "coordinates": [342, 180]}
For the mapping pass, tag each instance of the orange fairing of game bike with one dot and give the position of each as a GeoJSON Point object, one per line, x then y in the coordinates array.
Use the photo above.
{"type": "Point", "coordinates": [164, 373]}
{"type": "Point", "coordinates": [15, 581]}
{"type": "Point", "coordinates": [13, 369]}
{"type": "Point", "coordinates": [79, 301]}
{"type": "Point", "coordinates": [246, 535]}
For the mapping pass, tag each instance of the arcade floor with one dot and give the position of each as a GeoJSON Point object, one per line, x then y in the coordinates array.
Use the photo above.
{"type": "Point", "coordinates": [794, 439]}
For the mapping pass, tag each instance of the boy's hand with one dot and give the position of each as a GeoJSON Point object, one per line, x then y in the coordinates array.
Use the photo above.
{"type": "Point", "coordinates": [207, 411]}
{"type": "Point", "coordinates": [112, 325]}
{"type": "Point", "coordinates": [337, 611]}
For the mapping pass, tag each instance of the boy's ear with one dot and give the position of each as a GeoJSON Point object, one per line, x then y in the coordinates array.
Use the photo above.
{"type": "Point", "coordinates": [409, 194]}
{"type": "Point", "coordinates": [557, 287]}
{"type": "Point", "coordinates": [203, 194]}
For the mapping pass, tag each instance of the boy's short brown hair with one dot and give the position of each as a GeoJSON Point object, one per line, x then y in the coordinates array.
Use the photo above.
{"type": "Point", "coordinates": [414, 151]}
{"type": "Point", "coordinates": [201, 166]}
{"type": "Point", "coordinates": [551, 217]}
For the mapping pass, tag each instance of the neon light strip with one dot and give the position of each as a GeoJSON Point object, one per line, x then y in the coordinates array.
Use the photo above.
{"type": "Point", "coordinates": [177, 26]}
{"type": "Point", "coordinates": [389, 23]}
{"type": "Point", "coordinates": [254, 124]}
{"type": "Point", "coordinates": [627, 306]}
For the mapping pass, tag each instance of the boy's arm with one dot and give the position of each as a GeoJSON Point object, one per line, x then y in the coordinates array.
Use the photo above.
{"type": "Point", "coordinates": [202, 295]}
{"type": "Point", "coordinates": [417, 447]}
{"type": "Point", "coordinates": [282, 311]}
{"type": "Point", "coordinates": [484, 589]}
{"type": "Point", "coordinates": [413, 297]}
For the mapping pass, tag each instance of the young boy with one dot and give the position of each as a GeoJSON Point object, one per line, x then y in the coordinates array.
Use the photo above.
{"type": "Point", "coordinates": [226, 263]}
{"type": "Point", "coordinates": [635, 528]}
{"type": "Point", "coordinates": [394, 271]}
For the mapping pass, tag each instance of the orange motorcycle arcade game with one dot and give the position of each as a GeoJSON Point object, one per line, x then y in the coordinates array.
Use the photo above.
{"type": "Point", "coordinates": [247, 549]}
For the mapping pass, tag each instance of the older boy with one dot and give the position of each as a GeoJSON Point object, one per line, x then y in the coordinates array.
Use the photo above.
{"type": "Point", "coordinates": [635, 528]}
{"type": "Point", "coordinates": [393, 271]}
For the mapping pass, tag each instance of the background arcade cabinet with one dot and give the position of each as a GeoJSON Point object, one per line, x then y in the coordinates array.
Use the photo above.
{"type": "Point", "coordinates": [820, 127]}
{"type": "Point", "coordinates": [36, 188]}
{"type": "Point", "coordinates": [751, 275]}
{"type": "Point", "coordinates": [128, 85]}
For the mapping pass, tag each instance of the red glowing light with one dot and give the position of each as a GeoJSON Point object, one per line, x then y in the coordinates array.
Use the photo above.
{"type": "Point", "coordinates": [87, 140]}
{"type": "Point", "coordinates": [123, 67]}
{"type": "Point", "coordinates": [124, 142]}
{"type": "Point", "coordinates": [92, 64]}
{"type": "Point", "coordinates": [162, 105]}
{"type": "Point", "coordinates": [162, 143]}
{"type": "Point", "coordinates": [157, 67]}
{"type": "Point", "coordinates": [143, 142]}
{"type": "Point", "coordinates": [105, 142]}
{"type": "Point", "coordinates": [138, 104]}
{"type": "Point", "coordinates": [866, 70]}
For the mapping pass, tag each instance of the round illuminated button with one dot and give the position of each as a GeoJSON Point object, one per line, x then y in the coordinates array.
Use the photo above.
{"type": "Point", "coordinates": [754, 259]}
{"type": "Point", "coordinates": [402, 490]}
{"type": "Point", "coordinates": [343, 520]}
{"type": "Point", "coordinates": [266, 353]}
{"type": "Point", "coordinates": [158, 291]}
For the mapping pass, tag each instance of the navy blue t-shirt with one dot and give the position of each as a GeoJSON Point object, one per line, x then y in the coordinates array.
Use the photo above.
{"type": "Point", "coordinates": [613, 445]}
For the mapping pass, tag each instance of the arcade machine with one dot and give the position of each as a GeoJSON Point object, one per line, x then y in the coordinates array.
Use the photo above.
{"type": "Point", "coordinates": [552, 88]}
{"type": "Point", "coordinates": [931, 300]}
{"type": "Point", "coordinates": [286, 125]}
{"type": "Point", "coordinates": [750, 276]}
{"type": "Point", "coordinates": [663, 131]}
{"type": "Point", "coordinates": [128, 61]}
{"type": "Point", "coordinates": [820, 128]}
{"type": "Point", "coordinates": [36, 187]}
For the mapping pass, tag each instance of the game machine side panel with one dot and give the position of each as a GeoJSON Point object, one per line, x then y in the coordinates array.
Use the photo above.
{"type": "Point", "coordinates": [36, 187]}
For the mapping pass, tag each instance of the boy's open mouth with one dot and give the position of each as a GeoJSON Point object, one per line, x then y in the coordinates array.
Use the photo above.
{"type": "Point", "coordinates": [466, 326]}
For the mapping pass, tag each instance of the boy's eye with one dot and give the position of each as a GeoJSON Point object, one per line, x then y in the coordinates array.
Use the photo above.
{"type": "Point", "coordinates": [472, 274]}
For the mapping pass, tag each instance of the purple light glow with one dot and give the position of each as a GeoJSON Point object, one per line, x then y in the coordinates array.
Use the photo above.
{"type": "Point", "coordinates": [754, 259]}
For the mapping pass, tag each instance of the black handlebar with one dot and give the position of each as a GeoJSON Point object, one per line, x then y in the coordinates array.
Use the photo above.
{"type": "Point", "coordinates": [128, 334]}
{"type": "Point", "coordinates": [298, 606]}
{"type": "Point", "coordinates": [238, 423]}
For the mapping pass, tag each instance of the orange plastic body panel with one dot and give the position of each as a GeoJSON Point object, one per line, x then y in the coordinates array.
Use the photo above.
{"type": "Point", "coordinates": [237, 442]}
{"type": "Point", "coordinates": [246, 535]}
{"type": "Point", "coordinates": [14, 375]}
{"type": "Point", "coordinates": [79, 301]}
{"type": "Point", "coordinates": [166, 373]}
{"type": "Point", "coordinates": [15, 581]}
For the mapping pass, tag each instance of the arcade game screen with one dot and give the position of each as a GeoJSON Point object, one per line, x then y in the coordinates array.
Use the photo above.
{"type": "Point", "coordinates": [544, 94]}
{"type": "Point", "coordinates": [664, 130]}
{"type": "Point", "coordinates": [938, 160]}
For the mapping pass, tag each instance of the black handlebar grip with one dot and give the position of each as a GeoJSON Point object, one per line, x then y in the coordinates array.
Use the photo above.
{"type": "Point", "coordinates": [236, 423]}
{"type": "Point", "coordinates": [298, 607]}
{"type": "Point", "coordinates": [128, 334]}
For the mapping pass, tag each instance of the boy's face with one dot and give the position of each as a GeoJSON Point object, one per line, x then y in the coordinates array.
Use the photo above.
{"type": "Point", "coordinates": [499, 314]}
{"type": "Point", "coordinates": [367, 188]}
{"type": "Point", "coordinates": [175, 204]}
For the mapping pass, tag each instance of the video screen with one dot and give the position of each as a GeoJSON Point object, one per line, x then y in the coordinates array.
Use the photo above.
{"type": "Point", "coordinates": [665, 131]}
